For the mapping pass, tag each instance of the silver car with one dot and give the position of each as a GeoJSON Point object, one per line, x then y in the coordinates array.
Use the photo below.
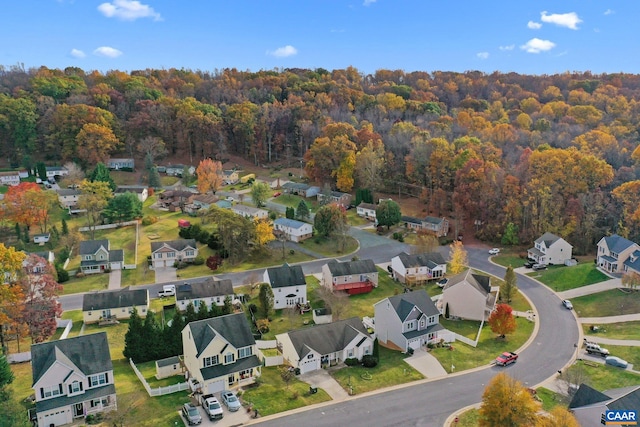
{"type": "Point", "coordinates": [231, 401]}
{"type": "Point", "coordinates": [616, 361]}
{"type": "Point", "coordinates": [191, 414]}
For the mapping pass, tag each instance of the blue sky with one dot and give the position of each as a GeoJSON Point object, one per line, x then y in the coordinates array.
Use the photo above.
{"type": "Point", "coordinates": [525, 36]}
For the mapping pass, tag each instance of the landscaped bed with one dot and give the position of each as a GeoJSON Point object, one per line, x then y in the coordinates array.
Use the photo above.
{"type": "Point", "coordinates": [613, 302]}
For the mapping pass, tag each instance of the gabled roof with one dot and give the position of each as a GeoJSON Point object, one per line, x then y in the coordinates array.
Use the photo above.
{"type": "Point", "coordinates": [477, 281]}
{"type": "Point", "coordinates": [433, 220]}
{"type": "Point", "coordinates": [635, 264]}
{"type": "Point", "coordinates": [207, 289]}
{"type": "Point", "coordinates": [327, 338]}
{"type": "Point", "coordinates": [363, 266]}
{"type": "Point", "coordinates": [116, 255]}
{"type": "Point", "coordinates": [168, 361]}
{"type": "Point", "coordinates": [55, 168]}
{"type": "Point", "coordinates": [410, 219]}
{"type": "Point", "coordinates": [404, 303]}
{"type": "Point", "coordinates": [369, 206]}
{"type": "Point", "coordinates": [178, 245]}
{"type": "Point", "coordinates": [585, 395]}
{"type": "Point", "coordinates": [90, 247]}
{"type": "Point", "coordinates": [291, 223]}
{"type": "Point", "coordinates": [64, 192]}
{"type": "Point", "coordinates": [286, 275]}
{"type": "Point", "coordinates": [233, 327]}
{"type": "Point", "coordinates": [207, 199]}
{"type": "Point", "coordinates": [429, 259]}
{"type": "Point", "coordinates": [90, 353]}
{"type": "Point", "coordinates": [247, 209]}
{"type": "Point", "coordinates": [136, 189]}
{"type": "Point", "coordinates": [617, 243]}
{"type": "Point", "coordinates": [548, 239]}
{"type": "Point", "coordinates": [295, 186]}
{"type": "Point", "coordinates": [120, 298]}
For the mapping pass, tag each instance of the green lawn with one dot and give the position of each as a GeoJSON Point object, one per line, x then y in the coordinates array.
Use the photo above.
{"type": "Point", "coordinates": [618, 331]}
{"type": "Point", "coordinates": [562, 278]}
{"type": "Point", "coordinates": [273, 395]}
{"type": "Point", "coordinates": [354, 219]}
{"type": "Point", "coordinates": [125, 178]}
{"type": "Point", "coordinates": [166, 180]}
{"type": "Point", "coordinates": [507, 259]}
{"type": "Point", "coordinates": [604, 377]}
{"type": "Point", "coordinates": [91, 282]}
{"type": "Point", "coordinates": [330, 247]}
{"type": "Point", "coordinates": [362, 304]}
{"type": "Point", "coordinates": [466, 328]}
{"type": "Point", "coordinates": [391, 370]}
{"type": "Point", "coordinates": [629, 353]}
{"type": "Point", "coordinates": [148, 371]}
{"type": "Point", "coordinates": [466, 357]}
{"type": "Point", "coordinates": [293, 201]}
{"type": "Point", "coordinates": [3, 189]}
{"type": "Point", "coordinates": [119, 238]}
{"type": "Point", "coordinates": [550, 399]}
{"type": "Point", "coordinates": [469, 418]}
{"type": "Point", "coordinates": [608, 303]}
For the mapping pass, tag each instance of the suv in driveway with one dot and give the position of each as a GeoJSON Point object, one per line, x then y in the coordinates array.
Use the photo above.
{"type": "Point", "coordinates": [191, 414]}
{"type": "Point", "coordinates": [537, 267]}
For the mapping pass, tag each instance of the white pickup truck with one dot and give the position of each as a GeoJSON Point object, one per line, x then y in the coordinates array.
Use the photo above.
{"type": "Point", "coordinates": [211, 406]}
{"type": "Point", "coordinates": [167, 291]}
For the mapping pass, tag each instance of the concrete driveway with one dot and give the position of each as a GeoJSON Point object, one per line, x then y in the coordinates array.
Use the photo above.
{"type": "Point", "coordinates": [322, 379]}
{"type": "Point", "coordinates": [423, 362]}
{"type": "Point", "coordinates": [115, 278]}
{"type": "Point", "coordinates": [166, 274]}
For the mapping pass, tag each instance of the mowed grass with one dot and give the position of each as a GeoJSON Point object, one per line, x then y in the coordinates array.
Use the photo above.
{"type": "Point", "coordinates": [550, 399]}
{"type": "Point", "coordinates": [90, 282]}
{"type": "Point", "coordinates": [330, 247]}
{"type": "Point", "coordinates": [470, 418]}
{"type": "Point", "coordinates": [562, 278]}
{"type": "Point", "coordinates": [605, 377]}
{"type": "Point", "coordinates": [273, 395]}
{"type": "Point", "coordinates": [293, 201]}
{"type": "Point", "coordinates": [613, 302]}
{"type": "Point", "coordinates": [629, 353]}
{"type": "Point", "coordinates": [507, 259]}
{"type": "Point", "coordinates": [618, 331]}
{"type": "Point", "coordinates": [390, 370]}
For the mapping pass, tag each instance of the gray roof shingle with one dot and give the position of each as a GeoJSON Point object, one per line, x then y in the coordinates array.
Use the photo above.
{"type": "Point", "coordinates": [233, 327]}
{"type": "Point", "coordinates": [207, 289]}
{"type": "Point", "coordinates": [363, 266]}
{"type": "Point", "coordinates": [286, 275]}
{"type": "Point", "coordinates": [327, 338]}
{"type": "Point", "coordinates": [617, 243]}
{"type": "Point", "coordinates": [478, 281]}
{"type": "Point", "coordinates": [404, 303]}
{"type": "Point", "coordinates": [120, 298]}
{"type": "Point", "coordinates": [90, 247]}
{"type": "Point", "coordinates": [178, 244]}
{"type": "Point", "coordinates": [430, 259]}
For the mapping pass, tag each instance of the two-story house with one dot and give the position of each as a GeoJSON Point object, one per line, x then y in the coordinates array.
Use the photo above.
{"type": "Point", "coordinates": [288, 284]}
{"type": "Point", "coordinates": [230, 176]}
{"type": "Point", "coordinates": [166, 253]}
{"type": "Point", "coordinates": [310, 349]}
{"type": "Point", "coordinates": [118, 164]}
{"type": "Point", "coordinates": [366, 211]}
{"type": "Point", "coordinates": [291, 229]}
{"type": "Point", "coordinates": [249, 212]}
{"type": "Point", "coordinates": [9, 178]}
{"type": "Point", "coordinates": [418, 268]}
{"type": "Point", "coordinates": [208, 292]}
{"type": "Point", "coordinates": [116, 304]}
{"type": "Point", "coordinates": [140, 191]}
{"type": "Point", "coordinates": [220, 353]}
{"type": "Point", "coordinates": [68, 197]}
{"type": "Point", "coordinates": [353, 277]}
{"type": "Point", "coordinates": [469, 296]}
{"type": "Point", "coordinates": [550, 249]}
{"type": "Point", "coordinates": [408, 320]}
{"type": "Point", "coordinates": [615, 254]}
{"type": "Point", "coordinates": [96, 256]}
{"type": "Point", "coordinates": [439, 227]}
{"type": "Point", "coordinates": [72, 378]}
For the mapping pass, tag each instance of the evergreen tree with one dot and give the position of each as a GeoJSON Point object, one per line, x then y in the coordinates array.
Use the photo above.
{"type": "Point", "coordinates": [25, 235]}
{"type": "Point", "coordinates": [509, 286]}
{"type": "Point", "coordinates": [133, 338]}
{"type": "Point", "coordinates": [6, 375]}
{"type": "Point", "coordinates": [101, 173]}
{"type": "Point", "coordinates": [290, 213]}
{"type": "Point", "coordinates": [154, 178]}
{"type": "Point", "coordinates": [18, 232]}
{"type": "Point", "coordinates": [63, 275]}
{"type": "Point", "coordinates": [65, 227]}
{"type": "Point", "coordinates": [215, 310]}
{"type": "Point", "coordinates": [151, 338]}
{"type": "Point", "coordinates": [41, 169]}
{"type": "Point", "coordinates": [203, 310]}
{"type": "Point", "coordinates": [190, 314]}
{"type": "Point", "coordinates": [227, 308]}
{"type": "Point", "coordinates": [510, 236]}
{"type": "Point", "coordinates": [173, 335]}
{"type": "Point", "coordinates": [302, 212]}
{"type": "Point", "coordinates": [266, 299]}
{"type": "Point", "coordinates": [363, 195]}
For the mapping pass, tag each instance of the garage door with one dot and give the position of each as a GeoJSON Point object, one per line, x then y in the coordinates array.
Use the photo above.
{"type": "Point", "coordinates": [57, 418]}
{"type": "Point", "coordinates": [415, 344]}
{"type": "Point", "coordinates": [215, 387]}
{"type": "Point", "coordinates": [157, 264]}
{"type": "Point", "coordinates": [309, 365]}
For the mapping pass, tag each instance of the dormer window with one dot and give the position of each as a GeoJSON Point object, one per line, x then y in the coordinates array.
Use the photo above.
{"type": "Point", "coordinates": [229, 358]}
{"type": "Point", "coordinates": [75, 387]}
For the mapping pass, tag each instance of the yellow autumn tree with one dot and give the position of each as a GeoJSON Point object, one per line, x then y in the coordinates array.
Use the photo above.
{"type": "Point", "coordinates": [505, 402]}
{"type": "Point", "coordinates": [210, 176]}
{"type": "Point", "coordinates": [10, 262]}
{"type": "Point", "coordinates": [458, 256]}
{"type": "Point", "coordinates": [264, 232]}
{"type": "Point", "coordinates": [344, 174]}
{"type": "Point", "coordinates": [558, 417]}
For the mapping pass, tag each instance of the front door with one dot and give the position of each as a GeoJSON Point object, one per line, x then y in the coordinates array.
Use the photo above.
{"type": "Point", "coordinates": [106, 313]}
{"type": "Point", "coordinates": [78, 410]}
{"type": "Point", "coordinates": [232, 379]}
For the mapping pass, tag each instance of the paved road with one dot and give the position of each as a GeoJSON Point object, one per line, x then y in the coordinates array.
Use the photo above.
{"type": "Point", "coordinates": [430, 403]}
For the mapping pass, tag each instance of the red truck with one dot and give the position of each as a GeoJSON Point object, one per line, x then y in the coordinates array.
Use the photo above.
{"type": "Point", "coordinates": [506, 358]}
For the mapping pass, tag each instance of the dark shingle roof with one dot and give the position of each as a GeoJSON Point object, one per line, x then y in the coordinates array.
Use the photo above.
{"type": "Point", "coordinates": [131, 189]}
{"type": "Point", "coordinates": [233, 327]}
{"type": "Point", "coordinates": [478, 281]}
{"type": "Point", "coordinates": [433, 220]}
{"type": "Point", "coordinates": [548, 239]}
{"type": "Point", "coordinates": [291, 223]}
{"type": "Point", "coordinates": [410, 219]}
{"type": "Point", "coordinates": [404, 303]}
{"type": "Point", "coordinates": [286, 275]}
{"type": "Point", "coordinates": [68, 192]}
{"type": "Point", "coordinates": [168, 361]}
{"type": "Point", "coordinates": [116, 255]}
{"type": "Point", "coordinates": [617, 243]}
{"type": "Point", "coordinates": [178, 245]}
{"type": "Point", "coordinates": [65, 401]}
{"type": "Point", "coordinates": [430, 259]}
{"type": "Point", "coordinates": [363, 266]}
{"type": "Point", "coordinates": [207, 289]}
{"type": "Point", "coordinates": [629, 400]}
{"type": "Point", "coordinates": [585, 395]}
{"type": "Point", "coordinates": [327, 338]}
{"type": "Point", "coordinates": [220, 370]}
{"type": "Point", "coordinates": [90, 353]}
{"type": "Point", "coordinates": [114, 299]}
{"type": "Point", "coordinates": [369, 206]}
{"type": "Point", "coordinates": [90, 247]}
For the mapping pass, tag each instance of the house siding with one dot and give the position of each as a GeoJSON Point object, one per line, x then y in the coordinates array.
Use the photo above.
{"type": "Point", "coordinates": [121, 313]}
{"type": "Point", "coordinates": [465, 302]}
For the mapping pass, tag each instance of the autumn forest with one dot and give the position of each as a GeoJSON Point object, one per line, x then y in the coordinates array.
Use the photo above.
{"type": "Point", "coordinates": [517, 154]}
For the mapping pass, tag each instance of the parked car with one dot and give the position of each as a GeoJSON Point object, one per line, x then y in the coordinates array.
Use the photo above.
{"type": "Point", "coordinates": [277, 194]}
{"type": "Point", "coordinates": [567, 304]}
{"type": "Point", "coordinates": [506, 358]}
{"type": "Point", "coordinates": [494, 251]}
{"type": "Point", "coordinates": [529, 264]}
{"type": "Point", "coordinates": [593, 348]}
{"type": "Point", "coordinates": [443, 282]}
{"type": "Point", "coordinates": [616, 361]}
{"type": "Point", "coordinates": [211, 407]}
{"type": "Point", "coordinates": [231, 401]}
{"type": "Point", "coordinates": [191, 414]}
{"type": "Point", "coordinates": [537, 267]}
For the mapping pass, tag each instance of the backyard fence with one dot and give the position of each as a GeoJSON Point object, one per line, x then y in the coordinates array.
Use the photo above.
{"type": "Point", "coordinates": [469, 341]}
{"type": "Point", "coordinates": [158, 391]}
{"type": "Point", "coordinates": [266, 344]}
{"type": "Point", "coordinates": [67, 324]}
{"type": "Point", "coordinates": [108, 226]}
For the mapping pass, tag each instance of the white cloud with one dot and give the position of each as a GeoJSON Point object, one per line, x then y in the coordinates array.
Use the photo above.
{"type": "Point", "coordinates": [337, 31]}
{"type": "Point", "coordinates": [482, 55]}
{"type": "Point", "coordinates": [77, 53]}
{"type": "Point", "coordinates": [535, 45]}
{"type": "Point", "coordinates": [508, 47]}
{"type": "Point", "coordinates": [569, 20]}
{"type": "Point", "coordinates": [368, 2]}
{"type": "Point", "coordinates": [128, 10]}
{"type": "Point", "coordinates": [609, 12]}
{"type": "Point", "coordinates": [283, 52]}
{"type": "Point", "coordinates": [534, 25]}
{"type": "Point", "coordinates": [107, 51]}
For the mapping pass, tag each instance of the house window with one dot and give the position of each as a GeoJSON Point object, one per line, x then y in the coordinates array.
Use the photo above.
{"type": "Point", "coordinates": [244, 352]}
{"type": "Point", "coordinates": [350, 353]}
{"type": "Point", "coordinates": [51, 391]}
{"type": "Point", "coordinates": [367, 350]}
{"type": "Point", "coordinates": [97, 380]}
{"type": "Point", "coordinates": [189, 253]}
{"type": "Point", "coordinates": [171, 254]}
{"type": "Point", "coordinates": [75, 387]}
{"type": "Point", "coordinates": [411, 325]}
{"type": "Point", "coordinates": [210, 361]}
{"type": "Point", "coordinates": [87, 257]}
{"type": "Point", "coordinates": [228, 358]}
{"type": "Point", "coordinates": [246, 374]}
{"type": "Point", "coordinates": [421, 323]}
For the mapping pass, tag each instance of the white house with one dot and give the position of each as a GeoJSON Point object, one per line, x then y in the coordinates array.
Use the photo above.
{"type": "Point", "coordinates": [9, 178]}
{"type": "Point", "coordinates": [353, 277]}
{"type": "Point", "coordinates": [56, 171]}
{"type": "Point", "coordinates": [208, 292]}
{"type": "Point", "coordinates": [310, 349]}
{"type": "Point", "coordinates": [288, 284]}
{"type": "Point", "coordinates": [249, 212]}
{"type": "Point", "coordinates": [72, 378]}
{"type": "Point", "coordinates": [366, 211]}
{"type": "Point", "coordinates": [439, 227]}
{"type": "Point", "coordinates": [550, 249]}
{"type": "Point", "coordinates": [121, 164]}
{"type": "Point", "coordinates": [68, 197]}
{"type": "Point", "coordinates": [293, 230]}
{"type": "Point", "coordinates": [617, 254]}
{"type": "Point", "coordinates": [96, 256]}
{"type": "Point", "coordinates": [141, 192]}
{"type": "Point", "coordinates": [114, 304]}
{"type": "Point", "coordinates": [469, 296]}
{"type": "Point", "coordinates": [407, 320]}
{"type": "Point", "coordinates": [220, 353]}
{"type": "Point", "coordinates": [42, 238]}
{"type": "Point", "coordinates": [418, 268]}
{"type": "Point", "coordinates": [166, 253]}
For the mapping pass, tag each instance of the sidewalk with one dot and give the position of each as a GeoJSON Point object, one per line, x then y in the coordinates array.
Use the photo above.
{"type": "Point", "coordinates": [611, 341]}
{"type": "Point", "coordinates": [610, 319]}
{"type": "Point", "coordinates": [591, 289]}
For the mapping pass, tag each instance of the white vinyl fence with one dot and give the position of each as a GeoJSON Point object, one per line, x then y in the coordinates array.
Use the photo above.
{"type": "Point", "coordinates": [159, 391]}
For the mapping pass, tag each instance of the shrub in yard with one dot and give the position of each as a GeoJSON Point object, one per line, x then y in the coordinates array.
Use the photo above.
{"type": "Point", "coordinates": [351, 361]}
{"type": "Point", "coordinates": [63, 275]}
{"type": "Point", "coordinates": [291, 252]}
{"type": "Point", "coordinates": [295, 395]}
{"type": "Point", "coordinates": [149, 219]}
{"type": "Point", "coordinates": [253, 308]}
{"type": "Point", "coordinates": [199, 260]}
{"type": "Point", "coordinates": [376, 348]}
{"type": "Point", "coordinates": [369, 361]}
{"type": "Point", "coordinates": [180, 265]}
{"type": "Point", "coordinates": [80, 275]}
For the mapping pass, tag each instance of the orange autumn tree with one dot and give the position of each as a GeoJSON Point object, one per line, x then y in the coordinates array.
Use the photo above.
{"type": "Point", "coordinates": [23, 204]}
{"type": "Point", "coordinates": [502, 321]}
{"type": "Point", "coordinates": [210, 176]}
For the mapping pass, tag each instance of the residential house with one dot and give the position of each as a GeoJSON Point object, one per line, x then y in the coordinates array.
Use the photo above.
{"type": "Point", "coordinates": [118, 164]}
{"type": "Point", "coordinates": [141, 192]}
{"type": "Point", "coordinates": [468, 296]}
{"type": "Point", "coordinates": [418, 268]}
{"type": "Point", "coordinates": [41, 238]}
{"type": "Point", "coordinates": [230, 176]}
{"type": "Point", "coordinates": [249, 212]}
{"type": "Point", "coordinates": [204, 201]}
{"type": "Point", "coordinates": [174, 200]}
{"type": "Point", "coordinates": [169, 367]}
{"type": "Point", "coordinates": [300, 189]}
{"type": "Point", "coordinates": [407, 320]}
{"type": "Point", "coordinates": [68, 197]}
{"type": "Point", "coordinates": [310, 349]}
{"type": "Point", "coordinates": [366, 211]}
{"type": "Point", "coordinates": [293, 230]}
{"type": "Point", "coordinates": [342, 199]}
{"type": "Point", "coordinates": [39, 262]}
{"type": "Point", "coordinates": [23, 174]}
{"type": "Point", "coordinates": [220, 353]}
{"type": "Point", "coordinates": [9, 178]}
{"type": "Point", "coordinates": [72, 378]}
{"type": "Point", "coordinates": [353, 277]}
{"type": "Point", "coordinates": [166, 253]}
{"type": "Point", "coordinates": [589, 406]}
{"type": "Point", "coordinates": [96, 256]}
{"type": "Point", "coordinates": [208, 292]}
{"type": "Point", "coordinates": [48, 256]}
{"type": "Point", "coordinates": [224, 204]}
{"type": "Point", "coordinates": [439, 227]}
{"type": "Point", "coordinates": [550, 249]}
{"type": "Point", "coordinates": [616, 254]}
{"type": "Point", "coordinates": [176, 170]}
{"type": "Point", "coordinates": [56, 171]}
{"type": "Point", "coordinates": [114, 304]}
{"type": "Point", "coordinates": [288, 284]}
